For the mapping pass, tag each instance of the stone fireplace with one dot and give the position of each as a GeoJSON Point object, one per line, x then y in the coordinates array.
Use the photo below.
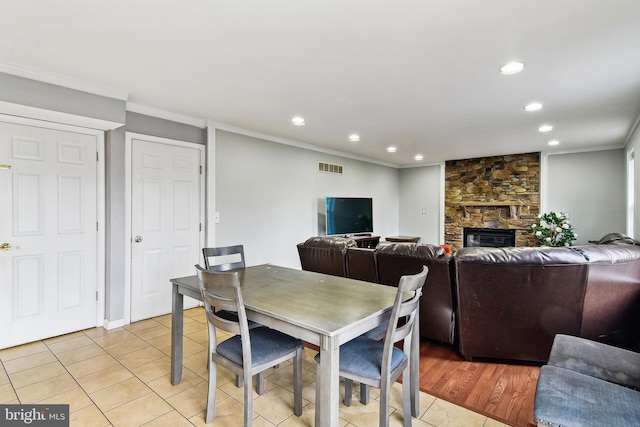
{"type": "Point", "coordinates": [500, 192]}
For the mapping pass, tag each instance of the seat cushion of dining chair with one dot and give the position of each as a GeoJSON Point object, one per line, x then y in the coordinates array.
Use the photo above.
{"type": "Point", "coordinates": [362, 356]}
{"type": "Point", "coordinates": [266, 345]}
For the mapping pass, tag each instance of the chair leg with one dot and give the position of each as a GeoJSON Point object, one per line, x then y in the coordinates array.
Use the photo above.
{"type": "Point", "coordinates": [364, 393]}
{"type": "Point", "coordinates": [348, 391]}
{"type": "Point", "coordinates": [297, 383]}
{"type": "Point", "coordinates": [260, 383]}
{"type": "Point", "coordinates": [407, 397]}
{"type": "Point", "coordinates": [211, 393]}
{"type": "Point", "coordinates": [248, 401]}
{"type": "Point", "coordinates": [385, 398]}
{"type": "Point", "coordinates": [238, 381]}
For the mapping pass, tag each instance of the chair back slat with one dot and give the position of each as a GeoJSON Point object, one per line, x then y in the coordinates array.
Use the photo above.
{"type": "Point", "coordinates": [224, 258]}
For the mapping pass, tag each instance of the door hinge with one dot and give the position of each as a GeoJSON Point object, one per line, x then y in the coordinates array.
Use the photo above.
{"type": "Point", "coordinates": [200, 170]}
{"type": "Point", "coordinates": [97, 158]}
{"type": "Point", "coordinates": [97, 296]}
{"type": "Point", "coordinates": [200, 227]}
{"type": "Point", "coordinates": [97, 226]}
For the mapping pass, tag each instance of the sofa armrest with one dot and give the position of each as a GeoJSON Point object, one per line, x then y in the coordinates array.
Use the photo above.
{"type": "Point", "coordinates": [570, 399]}
{"type": "Point", "coordinates": [596, 359]}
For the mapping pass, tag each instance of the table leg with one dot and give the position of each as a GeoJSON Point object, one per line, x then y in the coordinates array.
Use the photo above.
{"type": "Point", "coordinates": [177, 331]}
{"type": "Point", "coordinates": [328, 398]}
{"type": "Point", "coordinates": [414, 367]}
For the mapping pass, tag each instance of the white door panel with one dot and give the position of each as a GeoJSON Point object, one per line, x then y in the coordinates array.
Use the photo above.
{"type": "Point", "coordinates": [165, 221]}
{"type": "Point", "coordinates": [48, 217]}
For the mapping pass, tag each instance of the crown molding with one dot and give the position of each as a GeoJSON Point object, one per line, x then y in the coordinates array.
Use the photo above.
{"type": "Point", "coordinates": [54, 79]}
{"type": "Point", "coordinates": [56, 116]}
{"type": "Point", "coordinates": [285, 141]}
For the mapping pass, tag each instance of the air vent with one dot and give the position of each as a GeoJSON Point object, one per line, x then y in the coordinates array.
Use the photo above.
{"type": "Point", "coordinates": [329, 168]}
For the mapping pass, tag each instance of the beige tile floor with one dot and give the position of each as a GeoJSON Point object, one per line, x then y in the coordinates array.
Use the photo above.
{"type": "Point", "coordinates": [120, 377]}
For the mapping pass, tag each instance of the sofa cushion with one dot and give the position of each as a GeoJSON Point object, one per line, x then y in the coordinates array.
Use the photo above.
{"type": "Point", "coordinates": [361, 265]}
{"type": "Point", "coordinates": [325, 254]}
{"type": "Point", "coordinates": [513, 301]}
{"type": "Point", "coordinates": [571, 399]}
{"type": "Point", "coordinates": [596, 359]}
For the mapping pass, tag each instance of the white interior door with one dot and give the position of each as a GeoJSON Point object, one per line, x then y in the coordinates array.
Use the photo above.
{"type": "Point", "coordinates": [166, 201]}
{"type": "Point", "coordinates": [48, 236]}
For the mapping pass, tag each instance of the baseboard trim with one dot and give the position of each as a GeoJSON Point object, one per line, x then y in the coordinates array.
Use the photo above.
{"type": "Point", "coordinates": [113, 324]}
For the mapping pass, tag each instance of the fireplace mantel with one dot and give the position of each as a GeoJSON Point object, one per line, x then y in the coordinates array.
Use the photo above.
{"type": "Point", "coordinates": [513, 206]}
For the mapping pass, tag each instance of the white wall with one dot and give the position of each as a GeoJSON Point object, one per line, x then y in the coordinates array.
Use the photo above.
{"type": "Point", "coordinates": [419, 192]}
{"type": "Point", "coordinates": [591, 187]}
{"type": "Point", "coordinates": [267, 195]}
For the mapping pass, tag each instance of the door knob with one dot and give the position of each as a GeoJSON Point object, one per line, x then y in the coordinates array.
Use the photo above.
{"type": "Point", "coordinates": [137, 239]}
{"type": "Point", "coordinates": [7, 247]}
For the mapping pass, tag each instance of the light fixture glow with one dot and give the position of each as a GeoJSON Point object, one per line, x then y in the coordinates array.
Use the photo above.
{"type": "Point", "coordinates": [534, 106]}
{"type": "Point", "coordinates": [511, 68]}
{"type": "Point", "coordinates": [553, 142]}
{"type": "Point", "coordinates": [391, 149]}
{"type": "Point", "coordinates": [298, 121]}
{"type": "Point", "coordinates": [354, 137]}
{"type": "Point", "coordinates": [545, 128]}
{"type": "Point", "coordinates": [419, 157]}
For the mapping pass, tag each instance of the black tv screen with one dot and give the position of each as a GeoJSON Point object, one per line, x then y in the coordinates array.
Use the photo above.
{"type": "Point", "coordinates": [349, 215]}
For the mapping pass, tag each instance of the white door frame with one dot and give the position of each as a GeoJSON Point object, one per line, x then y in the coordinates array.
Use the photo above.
{"type": "Point", "coordinates": [100, 198]}
{"type": "Point", "coordinates": [128, 151]}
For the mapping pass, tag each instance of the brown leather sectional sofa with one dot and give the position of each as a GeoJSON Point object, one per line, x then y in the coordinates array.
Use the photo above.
{"type": "Point", "coordinates": [503, 303]}
{"type": "Point", "coordinates": [386, 264]}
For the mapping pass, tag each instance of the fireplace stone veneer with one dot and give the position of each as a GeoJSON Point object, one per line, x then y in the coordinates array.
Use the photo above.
{"type": "Point", "coordinates": [501, 192]}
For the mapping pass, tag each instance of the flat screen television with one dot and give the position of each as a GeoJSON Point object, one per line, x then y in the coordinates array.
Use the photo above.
{"type": "Point", "coordinates": [349, 215]}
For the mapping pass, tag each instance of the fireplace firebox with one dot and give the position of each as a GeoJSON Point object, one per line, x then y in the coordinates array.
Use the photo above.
{"type": "Point", "coordinates": [489, 237]}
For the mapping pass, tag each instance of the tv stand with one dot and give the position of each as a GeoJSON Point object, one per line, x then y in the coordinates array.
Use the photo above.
{"type": "Point", "coordinates": [367, 242]}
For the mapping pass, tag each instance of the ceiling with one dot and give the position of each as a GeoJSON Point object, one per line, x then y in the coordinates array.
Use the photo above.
{"type": "Point", "coordinates": [421, 75]}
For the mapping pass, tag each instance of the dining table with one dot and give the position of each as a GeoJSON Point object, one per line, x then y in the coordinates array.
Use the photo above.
{"type": "Point", "coordinates": [324, 310]}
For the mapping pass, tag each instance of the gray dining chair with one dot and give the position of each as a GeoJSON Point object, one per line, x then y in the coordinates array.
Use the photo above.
{"type": "Point", "coordinates": [379, 363]}
{"type": "Point", "coordinates": [226, 258]}
{"type": "Point", "coordinates": [250, 351]}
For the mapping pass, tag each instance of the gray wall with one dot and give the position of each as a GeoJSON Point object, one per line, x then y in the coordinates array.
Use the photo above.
{"type": "Point", "coordinates": [115, 197]}
{"type": "Point", "coordinates": [22, 91]}
{"type": "Point", "coordinates": [268, 194]}
{"type": "Point", "coordinates": [420, 189]}
{"type": "Point", "coordinates": [591, 188]}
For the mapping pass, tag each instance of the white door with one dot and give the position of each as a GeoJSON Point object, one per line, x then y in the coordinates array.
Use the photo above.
{"type": "Point", "coordinates": [48, 237]}
{"type": "Point", "coordinates": [166, 227]}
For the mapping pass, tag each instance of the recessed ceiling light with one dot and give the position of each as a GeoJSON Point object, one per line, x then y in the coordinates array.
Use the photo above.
{"type": "Point", "coordinates": [354, 137]}
{"type": "Point", "coordinates": [298, 121]}
{"type": "Point", "coordinates": [534, 106]}
{"type": "Point", "coordinates": [419, 157]}
{"type": "Point", "coordinates": [545, 128]}
{"type": "Point", "coordinates": [391, 149]}
{"type": "Point", "coordinates": [511, 68]}
{"type": "Point", "coordinates": [553, 142]}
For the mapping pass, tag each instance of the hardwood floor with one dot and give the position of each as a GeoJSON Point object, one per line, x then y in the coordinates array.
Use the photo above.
{"type": "Point", "coordinates": [503, 391]}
